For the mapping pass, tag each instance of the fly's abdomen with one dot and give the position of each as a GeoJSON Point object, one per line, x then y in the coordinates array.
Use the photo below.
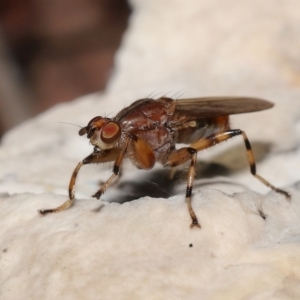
{"type": "Point", "coordinates": [195, 130]}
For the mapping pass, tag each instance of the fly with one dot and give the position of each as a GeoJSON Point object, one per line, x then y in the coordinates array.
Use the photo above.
{"type": "Point", "coordinates": [148, 130]}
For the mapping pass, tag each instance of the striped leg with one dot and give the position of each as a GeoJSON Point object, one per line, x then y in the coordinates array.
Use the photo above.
{"type": "Point", "coordinates": [116, 171]}
{"type": "Point", "coordinates": [95, 157]}
{"type": "Point", "coordinates": [223, 136]}
{"type": "Point", "coordinates": [182, 155]}
{"type": "Point", "coordinates": [177, 158]}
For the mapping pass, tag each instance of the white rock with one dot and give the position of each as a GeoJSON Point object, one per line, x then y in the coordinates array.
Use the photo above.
{"type": "Point", "coordinates": [144, 249]}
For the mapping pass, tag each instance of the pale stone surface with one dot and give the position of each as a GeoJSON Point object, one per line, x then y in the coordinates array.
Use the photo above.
{"type": "Point", "coordinates": [144, 249]}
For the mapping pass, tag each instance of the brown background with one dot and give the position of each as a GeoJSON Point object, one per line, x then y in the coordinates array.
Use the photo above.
{"type": "Point", "coordinates": [54, 51]}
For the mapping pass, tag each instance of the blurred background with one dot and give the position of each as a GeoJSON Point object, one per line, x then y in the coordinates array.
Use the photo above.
{"type": "Point", "coordinates": [54, 51]}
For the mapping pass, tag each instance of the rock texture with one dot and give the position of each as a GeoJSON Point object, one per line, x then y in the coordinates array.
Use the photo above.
{"type": "Point", "coordinates": [144, 249]}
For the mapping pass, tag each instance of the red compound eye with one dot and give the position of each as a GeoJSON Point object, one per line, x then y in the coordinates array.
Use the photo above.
{"type": "Point", "coordinates": [110, 132]}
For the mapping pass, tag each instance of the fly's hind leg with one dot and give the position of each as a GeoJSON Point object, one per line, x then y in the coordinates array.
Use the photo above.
{"type": "Point", "coordinates": [223, 136]}
{"type": "Point", "coordinates": [177, 158]}
{"type": "Point", "coordinates": [182, 155]}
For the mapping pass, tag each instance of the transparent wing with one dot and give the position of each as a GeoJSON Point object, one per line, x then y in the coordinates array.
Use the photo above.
{"type": "Point", "coordinates": [209, 107]}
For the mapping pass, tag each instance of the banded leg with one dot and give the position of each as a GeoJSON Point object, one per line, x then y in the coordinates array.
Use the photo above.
{"type": "Point", "coordinates": [223, 136]}
{"type": "Point", "coordinates": [95, 157]}
{"type": "Point", "coordinates": [116, 172]}
{"type": "Point", "coordinates": [177, 158]}
{"type": "Point", "coordinates": [144, 158]}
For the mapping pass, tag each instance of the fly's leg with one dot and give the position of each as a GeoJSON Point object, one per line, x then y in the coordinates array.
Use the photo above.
{"type": "Point", "coordinates": [142, 153]}
{"type": "Point", "coordinates": [95, 157]}
{"type": "Point", "coordinates": [223, 136]}
{"type": "Point", "coordinates": [172, 173]}
{"type": "Point", "coordinates": [69, 202]}
{"type": "Point", "coordinates": [116, 171]}
{"type": "Point", "coordinates": [182, 155]}
{"type": "Point", "coordinates": [105, 185]}
{"type": "Point", "coordinates": [177, 158]}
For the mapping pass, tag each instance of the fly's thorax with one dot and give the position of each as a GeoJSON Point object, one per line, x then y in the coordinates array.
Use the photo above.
{"type": "Point", "coordinates": [146, 114]}
{"type": "Point", "coordinates": [160, 139]}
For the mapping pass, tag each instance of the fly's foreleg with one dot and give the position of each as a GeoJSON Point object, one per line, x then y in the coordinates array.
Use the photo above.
{"type": "Point", "coordinates": [96, 157]}
{"type": "Point", "coordinates": [69, 202]}
{"type": "Point", "coordinates": [177, 158]}
{"type": "Point", "coordinates": [223, 136]}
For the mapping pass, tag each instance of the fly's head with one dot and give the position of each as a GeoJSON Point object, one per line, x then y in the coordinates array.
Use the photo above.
{"type": "Point", "coordinates": [102, 132]}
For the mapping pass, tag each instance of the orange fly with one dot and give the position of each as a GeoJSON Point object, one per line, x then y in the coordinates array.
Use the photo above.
{"type": "Point", "coordinates": [148, 130]}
